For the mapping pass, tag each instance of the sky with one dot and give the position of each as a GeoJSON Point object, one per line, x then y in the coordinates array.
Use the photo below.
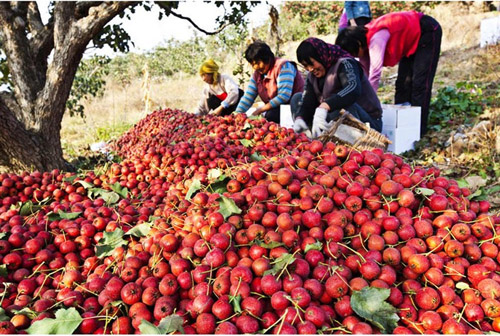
{"type": "Point", "coordinates": [147, 31]}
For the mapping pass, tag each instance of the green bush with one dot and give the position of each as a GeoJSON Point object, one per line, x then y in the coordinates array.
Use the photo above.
{"type": "Point", "coordinates": [89, 82]}
{"type": "Point", "coordinates": [456, 105]}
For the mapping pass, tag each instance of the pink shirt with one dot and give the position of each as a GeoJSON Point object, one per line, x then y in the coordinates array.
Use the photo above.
{"type": "Point", "coordinates": [373, 61]}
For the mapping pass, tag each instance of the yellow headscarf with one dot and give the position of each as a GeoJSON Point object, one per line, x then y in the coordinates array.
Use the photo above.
{"type": "Point", "coordinates": [209, 66]}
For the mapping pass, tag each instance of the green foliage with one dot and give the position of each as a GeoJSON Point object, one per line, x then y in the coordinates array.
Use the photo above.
{"type": "Point", "coordinates": [168, 324]}
{"type": "Point", "coordinates": [111, 131]}
{"type": "Point", "coordinates": [109, 242]}
{"type": "Point", "coordinates": [65, 322]}
{"type": "Point", "coordinates": [455, 105]}
{"type": "Point", "coordinates": [115, 37]}
{"type": "Point", "coordinates": [89, 82]}
{"type": "Point", "coordinates": [227, 207]}
{"type": "Point", "coordinates": [370, 304]}
{"type": "Point", "coordinates": [301, 19]}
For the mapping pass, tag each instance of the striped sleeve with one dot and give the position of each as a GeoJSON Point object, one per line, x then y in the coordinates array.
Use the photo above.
{"type": "Point", "coordinates": [285, 85]}
{"type": "Point", "coordinates": [248, 98]}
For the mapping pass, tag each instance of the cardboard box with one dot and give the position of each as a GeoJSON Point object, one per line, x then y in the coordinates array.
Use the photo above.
{"type": "Point", "coordinates": [401, 124]}
{"type": "Point", "coordinates": [490, 31]}
{"type": "Point", "coordinates": [286, 119]}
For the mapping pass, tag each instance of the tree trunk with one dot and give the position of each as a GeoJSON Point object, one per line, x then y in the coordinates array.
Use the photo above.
{"type": "Point", "coordinates": [22, 150]}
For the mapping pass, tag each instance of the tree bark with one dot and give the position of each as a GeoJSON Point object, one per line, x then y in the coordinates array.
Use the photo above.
{"type": "Point", "coordinates": [25, 150]}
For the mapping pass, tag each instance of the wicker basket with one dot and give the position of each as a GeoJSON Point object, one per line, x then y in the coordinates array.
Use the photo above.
{"type": "Point", "coordinates": [362, 137]}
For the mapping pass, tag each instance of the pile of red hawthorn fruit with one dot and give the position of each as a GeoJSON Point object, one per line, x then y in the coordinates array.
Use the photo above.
{"type": "Point", "coordinates": [234, 225]}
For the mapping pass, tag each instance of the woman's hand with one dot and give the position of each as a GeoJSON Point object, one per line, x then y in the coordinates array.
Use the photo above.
{"type": "Point", "coordinates": [258, 111]}
{"type": "Point", "coordinates": [218, 110]}
{"type": "Point", "coordinates": [324, 106]}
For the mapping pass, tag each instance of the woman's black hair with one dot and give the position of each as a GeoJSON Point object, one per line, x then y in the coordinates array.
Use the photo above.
{"type": "Point", "coordinates": [305, 52]}
{"type": "Point", "coordinates": [352, 38]}
{"type": "Point", "coordinates": [259, 51]}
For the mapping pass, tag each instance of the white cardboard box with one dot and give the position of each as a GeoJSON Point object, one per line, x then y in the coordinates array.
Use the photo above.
{"type": "Point", "coordinates": [401, 125]}
{"type": "Point", "coordinates": [286, 119]}
{"type": "Point", "coordinates": [490, 31]}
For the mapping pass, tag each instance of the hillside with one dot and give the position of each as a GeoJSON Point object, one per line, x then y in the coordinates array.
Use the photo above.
{"type": "Point", "coordinates": [462, 61]}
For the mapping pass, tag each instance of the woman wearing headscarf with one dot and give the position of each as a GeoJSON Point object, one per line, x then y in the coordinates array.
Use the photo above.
{"type": "Point", "coordinates": [410, 39]}
{"type": "Point", "coordinates": [335, 81]}
{"type": "Point", "coordinates": [221, 94]}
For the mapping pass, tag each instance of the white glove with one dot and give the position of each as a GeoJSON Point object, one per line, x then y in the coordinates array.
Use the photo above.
{"type": "Point", "coordinates": [299, 125]}
{"type": "Point", "coordinates": [319, 122]}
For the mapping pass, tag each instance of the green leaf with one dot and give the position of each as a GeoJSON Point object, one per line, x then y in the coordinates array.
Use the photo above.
{"type": "Point", "coordinates": [246, 143]}
{"type": "Point", "coordinates": [28, 208]}
{"type": "Point", "coordinates": [236, 302]}
{"type": "Point", "coordinates": [476, 194]}
{"type": "Point", "coordinates": [27, 312]}
{"type": "Point", "coordinates": [167, 325]}
{"type": "Point", "coordinates": [270, 245]}
{"type": "Point", "coordinates": [424, 191]}
{"type": "Point", "coordinates": [65, 322]}
{"type": "Point", "coordinates": [141, 230]}
{"type": "Point", "coordinates": [122, 191]}
{"type": "Point", "coordinates": [171, 323]}
{"type": "Point", "coordinates": [279, 264]}
{"type": "Point", "coordinates": [3, 235]}
{"type": "Point", "coordinates": [256, 157]}
{"type": "Point", "coordinates": [218, 187]}
{"type": "Point", "coordinates": [148, 328]}
{"type": "Point", "coordinates": [70, 179]}
{"type": "Point", "coordinates": [51, 216]}
{"type": "Point", "coordinates": [3, 316]}
{"type": "Point", "coordinates": [109, 242]}
{"type": "Point", "coordinates": [110, 197]}
{"type": "Point", "coordinates": [255, 117]}
{"type": "Point", "coordinates": [462, 285]}
{"type": "Point", "coordinates": [247, 126]}
{"type": "Point", "coordinates": [3, 270]}
{"type": "Point", "coordinates": [214, 174]}
{"type": "Point", "coordinates": [369, 303]}
{"type": "Point", "coordinates": [493, 190]}
{"type": "Point", "coordinates": [85, 184]}
{"type": "Point", "coordinates": [462, 183]}
{"type": "Point", "coordinates": [314, 246]}
{"type": "Point", "coordinates": [227, 207]}
{"type": "Point", "coordinates": [193, 188]}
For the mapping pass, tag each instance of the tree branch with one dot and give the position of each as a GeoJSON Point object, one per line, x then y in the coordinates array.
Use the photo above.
{"type": "Point", "coordinates": [99, 16]}
{"type": "Point", "coordinates": [43, 44]}
{"type": "Point", "coordinates": [42, 41]}
{"type": "Point", "coordinates": [24, 74]}
{"type": "Point", "coordinates": [35, 24]}
{"type": "Point", "coordinates": [64, 12]}
{"type": "Point", "coordinates": [221, 28]}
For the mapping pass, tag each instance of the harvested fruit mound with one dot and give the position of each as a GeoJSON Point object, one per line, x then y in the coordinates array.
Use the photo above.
{"type": "Point", "coordinates": [233, 225]}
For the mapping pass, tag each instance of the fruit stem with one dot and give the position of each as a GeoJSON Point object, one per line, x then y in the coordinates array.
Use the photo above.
{"type": "Point", "coordinates": [354, 251]}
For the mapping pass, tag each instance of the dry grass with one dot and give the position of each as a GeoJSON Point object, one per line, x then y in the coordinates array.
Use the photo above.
{"type": "Point", "coordinates": [124, 105]}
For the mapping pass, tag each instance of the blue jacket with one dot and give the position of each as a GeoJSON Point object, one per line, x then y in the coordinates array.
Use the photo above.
{"type": "Point", "coordinates": [356, 9]}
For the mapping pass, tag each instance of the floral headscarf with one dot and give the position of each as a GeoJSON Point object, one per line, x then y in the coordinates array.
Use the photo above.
{"type": "Point", "coordinates": [328, 53]}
